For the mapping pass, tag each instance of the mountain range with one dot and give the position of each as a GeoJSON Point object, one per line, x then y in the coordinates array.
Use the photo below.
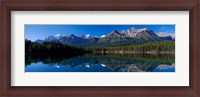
{"type": "Point", "coordinates": [130, 36]}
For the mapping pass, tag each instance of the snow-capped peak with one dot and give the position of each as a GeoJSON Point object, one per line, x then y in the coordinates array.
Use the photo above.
{"type": "Point", "coordinates": [164, 34]}
{"type": "Point", "coordinates": [103, 65]}
{"type": "Point", "coordinates": [88, 36]}
{"type": "Point", "coordinates": [133, 28]}
{"type": "Point", "coordinates": [122, 32]}
{"type": "Point", "coordinates": [87, 65]}
{"type": "Point", "coordinates": [103, 36]}
{"type": "Point", "coordinates": [57, 35]}
{"type": "Point", "coordinates": [143, 29]}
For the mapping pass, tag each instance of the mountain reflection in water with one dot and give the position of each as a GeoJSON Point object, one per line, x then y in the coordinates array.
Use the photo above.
{"type": "Point", "coordinates": [102, 63]}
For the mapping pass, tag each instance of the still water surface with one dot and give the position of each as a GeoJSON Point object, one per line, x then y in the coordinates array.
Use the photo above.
{"type": "Point", "coordinates": [102, 63]}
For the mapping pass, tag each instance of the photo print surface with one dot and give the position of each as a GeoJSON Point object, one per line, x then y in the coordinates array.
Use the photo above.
{"type": "Point", "coordinates": [99, 48]}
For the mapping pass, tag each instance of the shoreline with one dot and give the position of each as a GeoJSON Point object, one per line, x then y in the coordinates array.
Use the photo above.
{"type": "Point", "coordinates": [131, 52]}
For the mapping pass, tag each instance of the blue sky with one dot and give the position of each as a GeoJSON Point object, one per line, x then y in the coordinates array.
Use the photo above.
{"type": "Point", "coordinates": [35, 31]}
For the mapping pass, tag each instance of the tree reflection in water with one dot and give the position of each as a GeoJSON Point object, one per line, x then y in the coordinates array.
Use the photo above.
{"type": "Point", "coordinates": [104, 63]}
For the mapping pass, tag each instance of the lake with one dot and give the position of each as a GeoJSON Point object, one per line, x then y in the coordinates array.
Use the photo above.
{"type": "Point", "coordinates": [102, 63]}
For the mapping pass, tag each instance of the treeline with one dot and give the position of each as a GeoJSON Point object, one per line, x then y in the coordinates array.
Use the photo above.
{"type": "Point", "coordinates": [57, 48]}
{"type": "Point", "coordinates": [51, 48]}
{"type": "Point", "coordinates": [162, 58]}
{"type": "Point", "coordinates": [153, 47]}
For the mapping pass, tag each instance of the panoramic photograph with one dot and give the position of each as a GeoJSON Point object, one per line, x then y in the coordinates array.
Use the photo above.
{"type": "Point", "coordinates": [99, 48]}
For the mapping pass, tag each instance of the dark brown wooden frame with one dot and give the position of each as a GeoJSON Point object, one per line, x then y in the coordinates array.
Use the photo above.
{"type": "Point", "coordinates": [99, 5]}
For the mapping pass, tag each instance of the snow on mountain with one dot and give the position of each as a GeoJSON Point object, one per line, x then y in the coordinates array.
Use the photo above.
{"type": "Point", "coordinates": [173, 36]}
{"type": "Point", "coordinates": [57, 35]}
{"type": "Point", "coordinates": [103, 65]}
{"type": "Point", "coordinates": [103, 36]}
{"type": "Point", "coordinates": [128, 36]}
{"type": "Point", "coordinates": [113, 35]}
{"type": "Point", "coordinates": [133, 32]}
{"type": "Point", "coordinates": [164, 34]}
{"type": "Point", "coordinates": [50, 38]}
{"type": "Point", "coordinates": [88, 36]}
{"type": "Point", "coordinates": [122, 32]}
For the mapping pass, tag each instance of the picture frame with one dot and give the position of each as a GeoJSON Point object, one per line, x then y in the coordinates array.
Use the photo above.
{"type": "Point", "coordinates": [100, 5]}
